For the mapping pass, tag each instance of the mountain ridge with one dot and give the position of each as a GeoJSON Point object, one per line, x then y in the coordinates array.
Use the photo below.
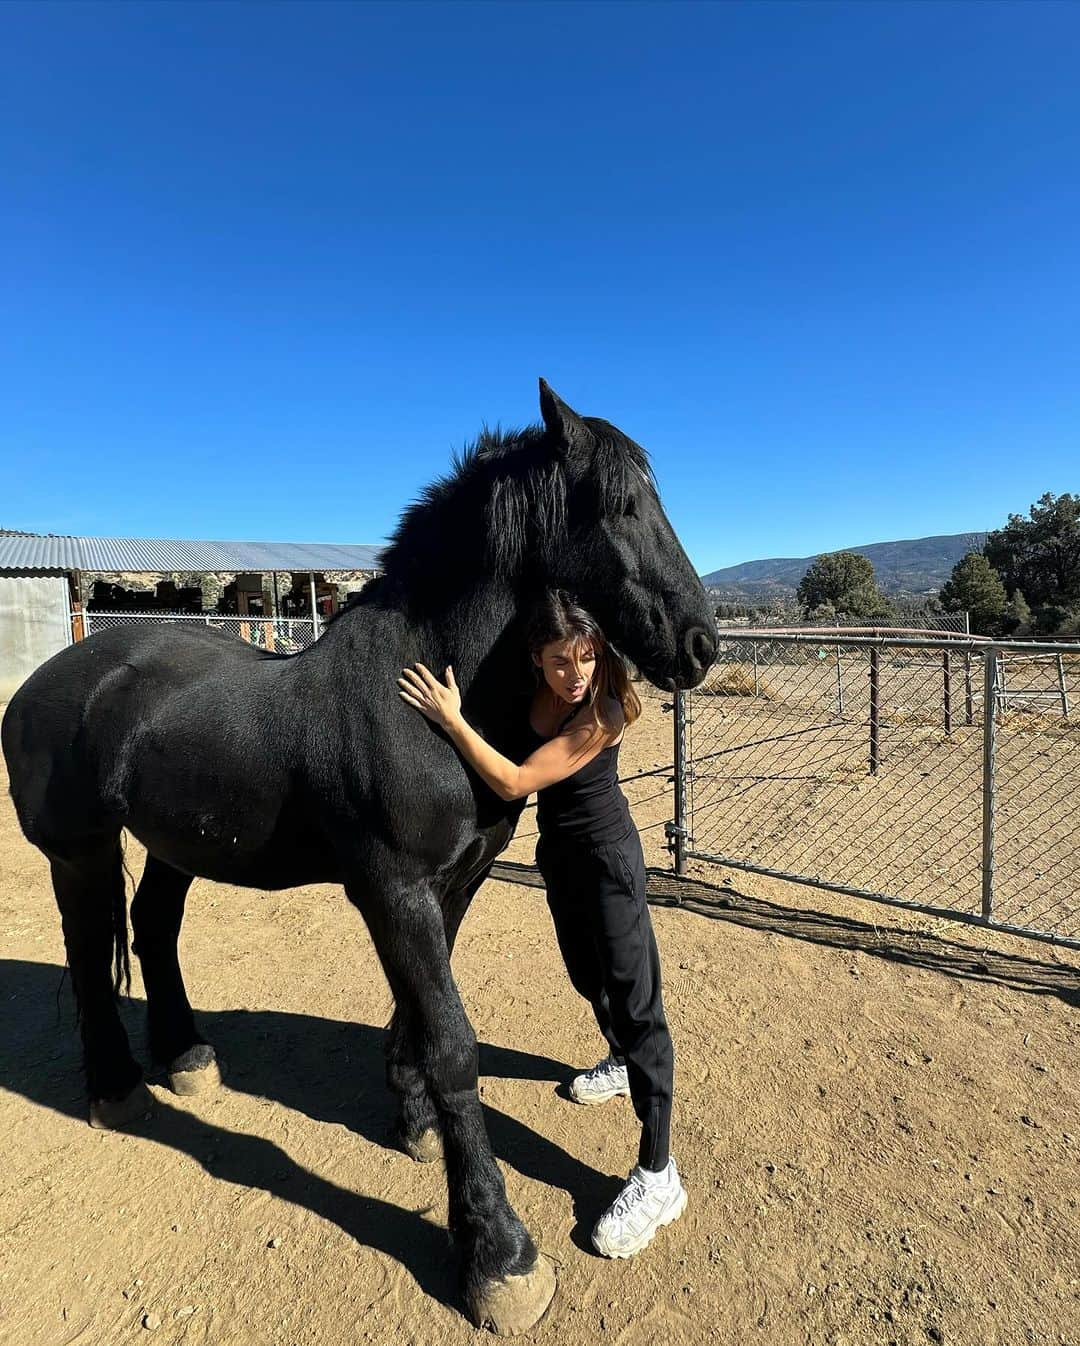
{"type": "Point", "coordinates": [908, 565]}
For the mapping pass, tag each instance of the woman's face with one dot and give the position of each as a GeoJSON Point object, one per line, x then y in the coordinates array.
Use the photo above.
{"type": "Point", "coordinates": [568, 668]}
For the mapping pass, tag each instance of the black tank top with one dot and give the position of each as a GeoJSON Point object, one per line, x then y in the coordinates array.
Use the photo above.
{"type": "Point", "coordinates": [587, 806]}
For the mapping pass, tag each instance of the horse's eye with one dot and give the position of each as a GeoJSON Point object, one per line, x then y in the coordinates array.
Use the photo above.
{"type": "Point", "coordinates": [630, 509]}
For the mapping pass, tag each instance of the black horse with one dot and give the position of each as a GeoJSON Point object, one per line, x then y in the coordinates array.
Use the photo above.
{"type": "Point", "coordinates": [271, 771]}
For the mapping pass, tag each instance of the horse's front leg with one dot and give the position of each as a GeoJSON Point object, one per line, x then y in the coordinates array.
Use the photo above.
{"type": "Point", "coordinates": [417, 1129]}
{"type": "Point", "coordinates": [506, 1284]}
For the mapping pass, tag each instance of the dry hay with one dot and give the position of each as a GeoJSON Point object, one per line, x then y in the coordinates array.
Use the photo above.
{"type": "Point", "coordinates": [737, 680]}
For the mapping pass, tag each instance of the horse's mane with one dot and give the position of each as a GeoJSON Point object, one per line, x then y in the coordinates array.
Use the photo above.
{"type": "Point", "coordinates": [518, 485]}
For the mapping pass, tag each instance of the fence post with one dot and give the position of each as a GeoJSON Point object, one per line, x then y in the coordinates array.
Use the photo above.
{"type": "Point", "coordinates": [756, 688]}
{"type": "Point", "coordinates": [1061, 684]}
{"type": "Point", "coordinates": [679, 830]}
{"type": "Point", "coordinates": [875, 710]}
{"type": "Point", "coordinates": [969, 699]}
{"type": "Point", "coordinates": [839, 684]}
{"type": "Point", "coordinates": [990, 718]}
{"type": "Point", "coordinates": [314, 612]}
{"type": "Point", "coordinates": [946, 670]}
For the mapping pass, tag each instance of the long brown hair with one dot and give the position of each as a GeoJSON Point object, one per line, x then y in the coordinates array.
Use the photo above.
{"type": "Point", "coordinates": [559, 617]}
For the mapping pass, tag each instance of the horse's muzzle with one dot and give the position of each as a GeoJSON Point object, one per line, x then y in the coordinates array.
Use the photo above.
{"type": "Point", "coordinates": [698, 652]}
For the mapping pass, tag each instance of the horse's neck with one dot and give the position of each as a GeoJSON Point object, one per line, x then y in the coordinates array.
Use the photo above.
{"type": "Point", "coordinates": [478, 632]}
{"type": "Point", "coordinates": [482, 639]}
{"type": "Point", "coordinates": [472, 624]}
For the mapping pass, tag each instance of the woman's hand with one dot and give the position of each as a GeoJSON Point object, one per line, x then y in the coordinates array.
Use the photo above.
{"type": "Point", "coordinates": [440, 702]}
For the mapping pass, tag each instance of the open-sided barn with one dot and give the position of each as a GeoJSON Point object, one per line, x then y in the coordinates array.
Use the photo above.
{"type": "Point", "coordinates": [54, 590]}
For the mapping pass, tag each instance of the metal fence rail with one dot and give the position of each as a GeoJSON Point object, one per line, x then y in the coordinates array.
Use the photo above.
{"type": "Point", "coordinates": [283, 635]}
{"type": "Point", "coordinates": [959, 622]}
{"type": "Point", "coordinates": [941, 774]}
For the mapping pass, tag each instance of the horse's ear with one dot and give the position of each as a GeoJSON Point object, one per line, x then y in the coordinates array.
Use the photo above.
{"type": "Point", "coordinates": [564, 424]}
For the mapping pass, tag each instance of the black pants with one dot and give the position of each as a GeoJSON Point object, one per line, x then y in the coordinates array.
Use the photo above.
{"type": "Point", "coordinates": [597, 899]}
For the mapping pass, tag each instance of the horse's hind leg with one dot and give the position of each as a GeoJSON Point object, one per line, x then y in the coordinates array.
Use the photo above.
{"type": "Point", "coordinates": [156, 915]}
{"type": "Point", "coordinates": [93, 911]}
{"type": "Point", "coordinates": [418, 1129]}
{"type": "Point", "coordinates": [506, 1283]}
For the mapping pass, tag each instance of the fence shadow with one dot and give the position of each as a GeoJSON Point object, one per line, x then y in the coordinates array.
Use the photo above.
{"type": "Point", "coordinates": [328, 1070]}
{"type": "Point", "coordinates": [950, 957]}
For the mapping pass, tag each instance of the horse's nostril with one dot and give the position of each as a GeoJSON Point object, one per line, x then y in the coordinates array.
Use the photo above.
{"type": "Point", "coordinates": [700, 646]}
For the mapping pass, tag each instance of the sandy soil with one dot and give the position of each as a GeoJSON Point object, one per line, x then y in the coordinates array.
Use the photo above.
{"type": "Point", "coordinates": [876, 1121]}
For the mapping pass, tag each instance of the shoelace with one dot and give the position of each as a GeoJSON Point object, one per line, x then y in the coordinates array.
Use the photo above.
{"type": "Point", "coordinates": [601, 1069]}
{"type": "Point", "coordinates": [631, 1195]}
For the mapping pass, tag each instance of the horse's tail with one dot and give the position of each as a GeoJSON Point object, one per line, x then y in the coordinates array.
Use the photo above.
{"type": "Point", "coordinates": [121, 957]}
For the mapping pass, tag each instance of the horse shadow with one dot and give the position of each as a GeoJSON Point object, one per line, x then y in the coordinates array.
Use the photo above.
{"type": "Point", "coordinates": [327, 1070]}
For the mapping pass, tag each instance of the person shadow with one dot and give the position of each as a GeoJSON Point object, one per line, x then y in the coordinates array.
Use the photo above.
{"type": "Point", "coordinates": [327, 1070]}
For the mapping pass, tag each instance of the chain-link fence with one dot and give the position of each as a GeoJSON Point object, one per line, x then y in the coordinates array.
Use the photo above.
{"type": "Point", "coordinates": [282, 635]}
{"type": "Point", "coordinates": [934, 773]}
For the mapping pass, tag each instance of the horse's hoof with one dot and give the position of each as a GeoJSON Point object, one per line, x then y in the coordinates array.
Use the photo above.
{"type": "Point", "coordinates": [516, 1303]}
{"type": "Point", "coordinates": [197, 1071]}
{"type": "Point", "coordinates": [109, 1114]}
{"type": "Point", "coordinates": [426, 1148]}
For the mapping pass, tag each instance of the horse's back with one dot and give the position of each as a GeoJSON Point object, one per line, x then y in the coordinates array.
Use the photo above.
{"type": "Point", "coordinates": [71, 718]}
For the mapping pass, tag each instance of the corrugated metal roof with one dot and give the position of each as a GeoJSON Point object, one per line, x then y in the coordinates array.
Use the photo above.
{"type": "Point", "coordinates": [21, 551]}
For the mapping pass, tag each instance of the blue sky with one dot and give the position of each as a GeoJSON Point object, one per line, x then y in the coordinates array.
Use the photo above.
{"type": "Point", "coordinates": [262, 267]}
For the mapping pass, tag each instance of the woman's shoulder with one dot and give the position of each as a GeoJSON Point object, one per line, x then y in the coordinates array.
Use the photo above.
{"type": "Point", "coordinates": [614, 716]}
{"type": "Point", "coordinates": [611, 714]}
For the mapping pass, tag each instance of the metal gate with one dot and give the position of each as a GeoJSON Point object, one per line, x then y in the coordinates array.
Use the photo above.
{"type": "Point", "coordinates": [936, 774]}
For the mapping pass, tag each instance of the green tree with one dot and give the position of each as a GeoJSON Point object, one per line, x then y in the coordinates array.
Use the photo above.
{"type": "Point", "coordinates": [975, 587]}
{"type": "Point", "coordinates": [1018, 618]}
{"type": "Point", "coordinates": [845, 582]}
{"type": "Point", "coordinates": [1040, 555]}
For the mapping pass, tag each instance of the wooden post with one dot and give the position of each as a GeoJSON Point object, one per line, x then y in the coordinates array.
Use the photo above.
{"type": "Point", "coordinates": [875, 711]}
{"type": "Point", "coordinates": [78, 624]}
{"type": "Point", "coordinates": [314, 610]}
{"type": "Point", "coordinates": [946, 670]}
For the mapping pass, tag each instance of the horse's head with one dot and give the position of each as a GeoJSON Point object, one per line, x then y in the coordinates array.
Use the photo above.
{"type": "Point", "coordinates": [621, 558]}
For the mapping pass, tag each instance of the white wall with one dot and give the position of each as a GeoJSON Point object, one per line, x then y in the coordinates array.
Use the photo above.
{"type": "Point", "coordinates": [34, 625]}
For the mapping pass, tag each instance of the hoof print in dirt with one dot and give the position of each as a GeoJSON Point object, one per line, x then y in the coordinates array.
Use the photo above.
{"type": "Point", "coordinates": [198, 1071]}
{"type": "Point", "coordinates": [110, 1114]}
{"type": "Point", "coordinates": [516, 1303]}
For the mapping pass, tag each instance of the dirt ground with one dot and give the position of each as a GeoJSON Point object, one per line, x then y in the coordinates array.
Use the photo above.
{"type": "Point", "coordinates": [877, 1123]}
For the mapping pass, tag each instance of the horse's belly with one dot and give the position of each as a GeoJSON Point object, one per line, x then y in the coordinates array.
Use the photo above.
{"type": "Point", "coordinates": [244, 847]}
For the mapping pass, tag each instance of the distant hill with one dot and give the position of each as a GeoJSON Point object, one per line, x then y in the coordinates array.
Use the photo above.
{"type": "Point", "coordinates": [914, 566]}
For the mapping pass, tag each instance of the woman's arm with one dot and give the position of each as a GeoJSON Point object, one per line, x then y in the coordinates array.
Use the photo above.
{"type": "Point", "coordinates": [553, 761]}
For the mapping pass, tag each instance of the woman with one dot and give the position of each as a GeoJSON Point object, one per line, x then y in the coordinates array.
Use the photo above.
{"type": "Point", "coordinates": [590, 856]}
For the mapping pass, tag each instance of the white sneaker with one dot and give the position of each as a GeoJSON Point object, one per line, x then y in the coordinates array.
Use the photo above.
{"type": "Point", "coordinates": [606, 1080]}
{"type": "Point", "coordinates": [647, 1203]}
